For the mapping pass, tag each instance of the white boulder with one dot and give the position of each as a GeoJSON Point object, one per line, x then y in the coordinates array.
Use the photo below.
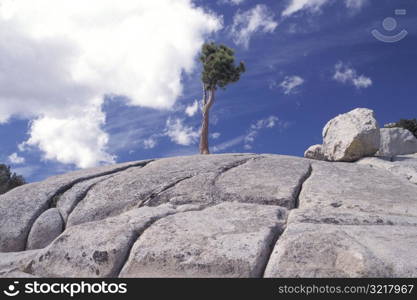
{"type": "Point", "coordinates": [315, 152]}
{"type": "Point", "coordinates": [396, 141]}
{"type": "Point", "coordinates": [351, 136]}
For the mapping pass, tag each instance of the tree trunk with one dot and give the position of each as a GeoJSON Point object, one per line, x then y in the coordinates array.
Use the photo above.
{"type": "Point", "coordinates": [207, 103]}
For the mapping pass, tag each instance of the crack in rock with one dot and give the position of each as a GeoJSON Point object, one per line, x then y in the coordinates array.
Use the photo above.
{"type": "Point", "coordinates": [133, 240]}
{"type": "Point", "coordinates": [55, 198]}
{"type": "Point", "coordinates": [79, 198]}
{"type": "Point", "coordinates": [300, 187]}
{"type": "Point", "coordinates": [255, 239]}
{"type": "Point", "coordinates": [271, 247]}
{"type": "Point", "coordinates": [233, 165]}
{"type": "Point", "coordinates": [155, 194]}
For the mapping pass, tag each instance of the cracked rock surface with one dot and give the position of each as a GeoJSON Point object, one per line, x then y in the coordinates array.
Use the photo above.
{"type": "Point", "coordinates": [229, 215]}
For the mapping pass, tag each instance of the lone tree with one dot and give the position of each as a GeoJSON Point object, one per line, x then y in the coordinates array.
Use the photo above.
{"type": "Point", "coordinates": [9, 180]}
{"type": "Point", "coordinates": [219, 70]}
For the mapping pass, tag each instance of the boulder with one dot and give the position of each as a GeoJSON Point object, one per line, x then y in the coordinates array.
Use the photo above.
{"type": "Point", "coordinates": [351, 136]}
{"type": "Point", "coordinates": [396, 141]}
{"type": "Point", "coordinates": [315, 152]}
{"type": "Point", "coordinates": [46, 228]}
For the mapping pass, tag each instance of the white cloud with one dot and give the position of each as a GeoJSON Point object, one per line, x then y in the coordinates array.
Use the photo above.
{"type": "Point", "coordinates": [355, 4]}
{"type": "Point", "coordinates": [228, 144]}
{"type": "Point", "coordinates": [231, 2]}
{"type": "Point", "coordinates": [345, 74]}
{"type": "Point", "coordinates": [59, 58]}
{"type": "Point", "coordinates": [259, 125]}
{"type": "Point", "coordinates": [71, 140]}
{"type": "Point", "coordinates": [180, 133]}
{"type": "Point", "coordinates": [150, 143]}
{"type": "Point", "coordinates": [252, 133]}
{"type": "Point", "coordinates": [215, 135]}
{"type": "Point", "coordinates": [290, 84]}
{"type": "Point", "coordinates": [27, 171]}
{"type": "Point", "coordinates": [192, 109]}
{"type": "Point", "coordinates": [14, 158]}
{"type": "Point", "coordinates": [316, 5]}
{"type": "Point", "coordinates": [256, 20]}
{"type": "Point", "coordinates": [297, 5]}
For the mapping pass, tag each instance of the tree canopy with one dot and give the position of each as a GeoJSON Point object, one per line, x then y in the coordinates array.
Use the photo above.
{"type": "Point", "coordinates": [9, 180]}
{"type": "Point", "coordinates": [219, 67]}
{"type": "Point", "coordinates": [219, 70]}
{"type": "Point", "coordinates": [410, 124]}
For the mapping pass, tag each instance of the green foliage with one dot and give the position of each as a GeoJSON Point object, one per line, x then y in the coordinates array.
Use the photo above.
{"type": "Point", "coordinates": [9, 180]}
{"type": "Point", "coordinates": [219, 66]}
{"type": "Point", "coordinates": [411, 125]}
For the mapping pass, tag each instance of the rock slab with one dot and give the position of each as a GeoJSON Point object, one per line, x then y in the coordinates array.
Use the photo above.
{"type": "Point", "coordinates": [226, 240]}
{"type": "Point", "coordinates": [46, 228]}
{"type": "Point", "coordinates": [229, 215]}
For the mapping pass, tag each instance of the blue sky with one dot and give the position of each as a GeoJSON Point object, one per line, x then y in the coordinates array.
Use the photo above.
{"type": "Point", "coordinates": [69, 101]}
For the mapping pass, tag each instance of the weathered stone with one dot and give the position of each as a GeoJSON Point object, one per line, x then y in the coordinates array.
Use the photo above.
{"type": "Point", "coordinates": [15, 274]}
{"type": "Point", "coordinates": [96, 249]}
{"type": "Point", "coordinates": [12, 264]}
{"type": "Point", "coordinates": [208, 179]}
{"type": "Point", "coordinates": [358, 187]}
{"type": "Point", "coordinates": [396, 141]}
{"type": "Point", "coordinates": [341, 216]}
{"type": "Point", "coordinates": [315, 152]}
{"type": "Point", "coordinates": [227, 240]}
{"type": "Point", "coordinates": [217, 216]}
{"type": "Point", "coordinates": [351, 136]}
{"type": "Point", "coordinates": [69, 200]}
{"type": "Point", "coordinates": [323, 250]}
{"type": "Point", "coordinates": [20, 207]}
{"type": "Point", "coordinates": [45, 229]}
{"type": "Point", "coordinates": [272, 180]}
{"type": "Point", "coordinates": [403, 165]}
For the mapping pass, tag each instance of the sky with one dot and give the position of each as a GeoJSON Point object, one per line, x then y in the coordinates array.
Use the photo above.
{"type": "Point", "coordinates": [84, 84]}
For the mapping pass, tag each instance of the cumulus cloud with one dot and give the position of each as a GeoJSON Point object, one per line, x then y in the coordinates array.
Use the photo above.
{"type": "Point", "coordinates": [316, 5]}
{"type": "Point", "coordinates": [180, 133]}
{"type": "Point", "coordinates": [256, 20]}
{"type": "Point", "coordinates": [345, 74]}
{"type": "Point", "coordinates": [58, 60]}
{"type": "Point", "coordinates": [290, 84]}
{"type": "Point", "coordinates": [259, 125]}
{"type": "Point", "coordinates": [70, 140]}
{"type": "Point", "coordinates": [192, 109]}
{"type": "Point", "coordinates": [15, 159]}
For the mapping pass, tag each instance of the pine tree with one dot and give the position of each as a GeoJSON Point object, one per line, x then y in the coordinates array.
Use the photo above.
{"type": "Point", "coordinates": [219, 70]}
{"type": "Point", "coordinates": [9, 180]}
